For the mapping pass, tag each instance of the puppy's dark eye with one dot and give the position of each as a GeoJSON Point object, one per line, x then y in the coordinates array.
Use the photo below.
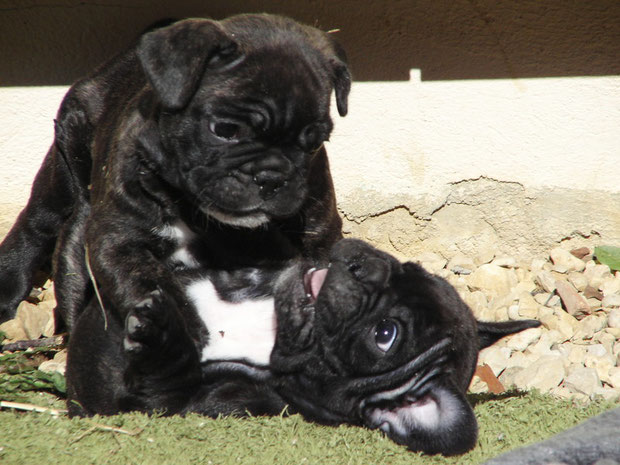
{"type": "Point", "coordinates": [385, 334]}
{"type": "Point", "coordinates": [225, 129]}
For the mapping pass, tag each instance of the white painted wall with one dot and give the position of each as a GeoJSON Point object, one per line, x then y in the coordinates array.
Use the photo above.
{"type": "Point", "coordinates": [473, 123]}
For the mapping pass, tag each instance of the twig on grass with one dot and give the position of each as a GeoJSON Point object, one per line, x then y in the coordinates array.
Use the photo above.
{"type": "Point", "coordinates": [55, 342]}
{"type": "Point", "coordinates": [31, 408]}
{"type": "Point", "coordinates": [101, 427]}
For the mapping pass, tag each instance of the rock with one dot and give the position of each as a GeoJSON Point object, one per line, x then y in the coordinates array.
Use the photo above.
{"type": "Point", "coordinates": [613, 318]}
{"type": "Point", "coordinates": [560, 321]}
{"type": "Point", "coordinates": [581, 252]}
{"type": "Point", "coordinates": [546, 280]}
{"type": "Point", "coordinates": [611, 286]}
{"type": "Point", "coordinates": [431, 261]}
{"type": "Point", "coordinates": [57, 364]}
{"type": "Point", "coordinates": [538, 265]}
{"type": "Point", "coordinates": [461, 264]}
{"type": "Point", "coordinates": [592, 293]}
{"type": "Point", "coordinates": [578, 280]}
{"type": "Point", "coordinates": [574, 304]}
{"type": "Point", "coordinates": [476, 300]}
{"type": "Point", "coordinates": [596, 274]}
{"type": "Point", "coordinates": [528, 307]}
{"type": "Point", "coordinates": [584, 380]}
{"type": "Point", "coordinates": [611, 301]}
{"type": "Point", "coordinates": [484, 256]}
{"type": "Point", "coordinates": [602, 365]}
{"type": "Point", "coordinates": [563, 259]}
{"type": "Point", "coordinates": [13, 330]}
{"type": "Point", "coordinates": [614, 377]}
{"type": "Point", "coordinates": [588, 327]}
{"type": "Point", "coordinates": [522, 340]}
{"type": "Point", "coordinates": [546, 341]}
{"type": "Point", "coordinates": [495, 357]}
{"type": "Point", "coordinates": [493, 280]}
{"type": "Point", "coordinates": [544, 374]}
{"type": "Point", "coordinates": [505, 262]}
{"type": "Point", "coordinates": [507, 378]}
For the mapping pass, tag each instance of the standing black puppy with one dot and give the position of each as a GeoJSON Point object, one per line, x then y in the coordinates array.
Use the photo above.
{"type": "Point", "coordinates": [200, 145]}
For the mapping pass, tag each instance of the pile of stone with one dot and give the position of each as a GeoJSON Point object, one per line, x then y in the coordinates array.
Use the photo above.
{"type": "Point", "coordinates": [575, 353]}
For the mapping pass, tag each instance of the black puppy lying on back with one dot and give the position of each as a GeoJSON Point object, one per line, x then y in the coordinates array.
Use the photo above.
{"type": "Point", "coordinates": [366, 341]}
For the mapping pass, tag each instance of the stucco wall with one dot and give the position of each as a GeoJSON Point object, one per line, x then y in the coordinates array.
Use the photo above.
{"type": "Point", "coordinates": [473, 124]}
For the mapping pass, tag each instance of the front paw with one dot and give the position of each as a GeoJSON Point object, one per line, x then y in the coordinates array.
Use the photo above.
{"type": "Point", "coordinates": [149, 324]}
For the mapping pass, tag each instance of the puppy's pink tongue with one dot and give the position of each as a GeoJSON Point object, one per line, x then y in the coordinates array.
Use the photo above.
{"type": "Point", "coordinates": [317, 278]}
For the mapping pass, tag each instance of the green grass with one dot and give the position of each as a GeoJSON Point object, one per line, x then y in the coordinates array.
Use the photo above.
{"type": "Point", "coordinates": [506, 421]}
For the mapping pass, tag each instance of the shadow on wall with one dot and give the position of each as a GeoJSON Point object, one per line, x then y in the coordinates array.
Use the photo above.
{"type": "Point", "coordinates": [55, 42]}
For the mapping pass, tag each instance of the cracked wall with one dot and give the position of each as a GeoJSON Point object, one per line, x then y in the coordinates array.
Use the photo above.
{"type": "Point", "coordinates": [481, 215]}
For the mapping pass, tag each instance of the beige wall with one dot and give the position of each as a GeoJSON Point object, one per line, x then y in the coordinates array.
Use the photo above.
{"type": "Point", "coordinates": [473, 124]}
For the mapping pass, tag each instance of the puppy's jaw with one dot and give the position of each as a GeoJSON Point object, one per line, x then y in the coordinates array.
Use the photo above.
{"type": "Point", "coordinates": [251, 221]}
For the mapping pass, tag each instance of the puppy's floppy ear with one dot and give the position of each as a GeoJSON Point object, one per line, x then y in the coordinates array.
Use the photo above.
{"type": "Point", "coordinates": [341, 78]}
{"type": "Point", "coordinates": [174, 57]}
{"type": "Point", "coordinates": [491, 332]}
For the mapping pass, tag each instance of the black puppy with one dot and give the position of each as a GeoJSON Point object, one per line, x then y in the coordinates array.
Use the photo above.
{"type": "Point", "coordinates": [202, 145]}
{"type": "Point", "coordinates": [366, 341]}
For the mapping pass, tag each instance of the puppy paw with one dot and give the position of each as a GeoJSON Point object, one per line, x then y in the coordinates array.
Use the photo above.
{"type": "Point", "coordinates": [147, 325]}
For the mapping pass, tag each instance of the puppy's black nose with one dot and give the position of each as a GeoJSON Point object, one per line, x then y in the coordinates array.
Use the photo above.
{"type": "Point", "coordinates": [269, 183]}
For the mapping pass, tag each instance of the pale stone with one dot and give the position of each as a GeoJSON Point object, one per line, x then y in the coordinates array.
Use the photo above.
{"type": "Point", "coordinates": [562, 322]}
{"type": "Point", "coordinates": [606, 340]}
{"type": "Point", "coordinates": [583, 379]}
{"type": "Point", "coordinates": [34, 320]}
{"type": "Point", "coordinates": [611, 286]}
{"type": "Point", "coordinates": [577, 353]}
{"type": "Point", "coordinates": [513, 312]}
{"type": "Point", "coordinates": [477, 386]}
{"type": "Point", "coordinates": [544, 374]}
{"type": "Point", "coordinates": [596, 274]}
{"type": "Point", "coordinates": [528, 307]}
{"type": "Point", "coordinates": [522, 340]}
{"type": "Point", "coordinates": [519, 359]}
{"type": "Point", "coordinates": [505, 262]}
{"type": "Point", "coordinates": [495, 357]}
{"type": "Point", "coordinates": [525, 285]}
{"type": "Point", "coordinates": [615, 332]}
{"type": "Point", "coordinates": [501, 314]}
{"type": "Point", "coordinates": [606, 393]}
{"type": "Point", "coordinates": [431, 261]}
{"type": "Point", "coordinates": [611, 300]}
{"type": "Point", "coordinates": [563, 258]}
{"type": "Point", "coordinates": [507, 378]}
{"type": "Point", "coordinates": [546, 281]}
{"type": "Point", "coordinates": [589, 326]}
{"type": "Point", "coordinates": [546, 341]}
{"type": "Point", "coordinates": [565, 393]}
{"type": "Point", "coordinates": [13, 330]}
{"type": "Point", "coordinates": [484, 255]}
{"type": "Point", "coordinates": [476, 300]}
{"type": "Point", "coordinates": [574, 304]}
{"type": "Point", "coordinates": [492, 279]}
{"type": "Point", "coordinates": [613, 318]}
{"type": "Point", "coordinates": [48, 292]}
{"type": "Point", "coordinates": [594, 304]}
{"type": "Point", "coordinates": [537, 265]}
{"type": "Point", "coordinates": [542, 297]}
{"type": "Point", "coordinates": [461, 262]}
{"type": "Point", "coordinates": [578, 280]}
{"type": "Point", "coordinates": [614, 377]}
{"type": "Point", "coordinates": [602, 364]}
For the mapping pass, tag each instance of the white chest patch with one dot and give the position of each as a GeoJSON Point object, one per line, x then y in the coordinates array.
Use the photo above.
{"type": "Point", "coordinates": [237, 331]}
{"type": "Point", "coordinates": [182, 236]}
